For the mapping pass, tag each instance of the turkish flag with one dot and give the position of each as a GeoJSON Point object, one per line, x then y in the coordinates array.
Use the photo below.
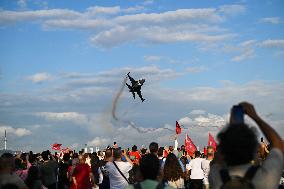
{"type": "Point", "coordinates": [178, 128]}
{"type": "Point", "coordinates": [56, 146]}
{"type": "Point", "coordinates": [212, 142]}
{"type": "Point", "coordinates": [189, 146]}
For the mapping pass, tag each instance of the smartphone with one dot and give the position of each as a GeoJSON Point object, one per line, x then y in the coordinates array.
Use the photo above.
{"type": "Point", "coordinates": [237, 115]}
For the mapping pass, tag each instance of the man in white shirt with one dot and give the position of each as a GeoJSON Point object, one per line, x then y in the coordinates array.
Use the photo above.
{"type": "Point", "coordinates": [237, 147]}
{"type": "Point", "coordinates": [205, 166]}
{"type": "Point", "coordinates": [116, 179]}
{"type": "Point", "coordinates": [196, 173]}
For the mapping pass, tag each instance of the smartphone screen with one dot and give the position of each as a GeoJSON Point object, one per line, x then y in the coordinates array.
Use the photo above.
{"type": "Point", "coordinates": [237, 115]}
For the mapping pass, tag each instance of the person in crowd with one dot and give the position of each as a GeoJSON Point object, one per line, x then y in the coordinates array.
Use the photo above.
{"type": "Point", "coordinates": [83, 177]}
{"type": "Point", "coordinates": [119, 170]}
{"type": "Point", "coordinates": [161, 157]}
{"type": "Point", "coordinates": [70, 172]}
{"type": "Point", "coordinates": [196, 173]}
{"type": "Point", "coordinates": [20, 170]}
{"type": "Point", "coordinates": [48, 170]}
{"type": "Point", "coordinates": [103, 173]}
{"type": "Point", "coordinates": [173, 173]}
{"type": "Point", "coordinates": [237, 147]}
{"type": "Point", "coordinates": [150, 168]}
{"type": "Point", "coordinates": [205, 165]}
{"type": "Point", "coordinates": [95, 163]}
{"type": "Point", "coordinates": [7, 177]}
{"type": "Point", "coordinates": [33, 180]}
{"type": "Point", "coordinates": [143, 151]}
{"type": "Point", "coordinates": [153, 148]}
{"type": "Point", "coordinates": [134, 155]}
{"type": "Point", "coordinates": [63, 182]}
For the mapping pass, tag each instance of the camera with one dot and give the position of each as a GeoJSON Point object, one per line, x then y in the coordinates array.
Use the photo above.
{"type": "Point", "coordinates": [237, 115]}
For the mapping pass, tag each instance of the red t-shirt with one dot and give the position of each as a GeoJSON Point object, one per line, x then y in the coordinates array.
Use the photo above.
{"type": "Point", "coordinates": [82, 175]}
{"type": "Point", "coordinates": [135, 156]}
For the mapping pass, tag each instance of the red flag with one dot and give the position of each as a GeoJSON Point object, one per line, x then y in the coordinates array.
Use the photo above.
{"type": "Point", "coordinates": [56, 146]}
{"type": "Point", "coordinates": [178, 128]}
{"type": "Point", "coordinates": [212, 142]}
{"type": "Point", "coordinates": [204, 151]}
{"type": "Point", "coordinates": [189, 146]}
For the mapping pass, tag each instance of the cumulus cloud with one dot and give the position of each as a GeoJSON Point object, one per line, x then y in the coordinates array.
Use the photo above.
{"type": "Point", "coordinates": [22, 4]}
{"type": "Point", "coordinates": [99, 142]}
{"type": "Point", "coordinates": [273, 43]}
{"type": "Point", "coordinates": [7, 17]}
{"type": "Point", "coordinates": [110, 28]}
{"type": "Point", "coordinates": [248, 54]}
{"type": "Point", "coordinates": [16, 131]}
{"type": "Point", "coordinates": [232, 9]}
{"type": "Point", "coordinates": [246, 50]}
{"type": "Point", "coordinates": [93, 11]}
{"type": "Point", "coordinates": [152, 58]}
{"type": "Point", "coordinates": [197, 69]}
{"type": "Point", "coordinates": [204, 120]}
{"type": "Point", "coordinates": [40, 77]}
{"type": "Point", "coordinates": [197, 112]}
{"type": "Point", "coordinates": [271, 20]}
{"type": "Point", "coordinates": [64, 116]}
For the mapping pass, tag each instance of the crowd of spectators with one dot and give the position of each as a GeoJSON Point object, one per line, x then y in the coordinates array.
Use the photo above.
{"type": "Point", "coordinates": [240, 161]}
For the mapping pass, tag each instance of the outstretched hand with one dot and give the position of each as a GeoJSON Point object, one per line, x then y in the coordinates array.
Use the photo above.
{"type": "Point", "coordinates": [249, 109]}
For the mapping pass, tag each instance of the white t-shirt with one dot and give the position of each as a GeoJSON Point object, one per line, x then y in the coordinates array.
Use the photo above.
{"type": "Point", "coordinates": [266, 177]}
{"type": "Point", "coordinates": [116, 180]}
{"type": "Point", "coordinates": [195, 167]}
{"type": "Point", "coordinates": [205, 166]}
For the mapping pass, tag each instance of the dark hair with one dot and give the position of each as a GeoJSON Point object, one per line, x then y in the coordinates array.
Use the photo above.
{"type": "Point", "coordinates": [172, 168]}
{"type": "Point", "coordinates": [117, 153]}
{"type": "Point", "coordinates": [197, 154]}
{"type": "Point", "coordinates": [143, 151]}
{"type": "Point", "coordinates": [153, 147]}
{"type": "Point", "coordinates": [261, 139]}
{"type": "Point", "coordinates": [160, 152]}
{"type": "Point", "coordinates": [33, 175]}
{"type": "Point", "coordinates": [134, 148]}
{"type": "Point", "coordinates": [66, 157]}
{"type": "Point", "coordinates": [108, 153]}
{"type": "Point", "coordinates": [149, 166]}
{"type": "Point", "coordinates": [238, 144]}
{"type": "Point", "coordinates": [44, 155]}
{"type": "Point", "coordinates": [18, 163]}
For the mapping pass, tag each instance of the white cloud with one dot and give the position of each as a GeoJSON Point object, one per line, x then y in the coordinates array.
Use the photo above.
{"type": "Point", "coordinates": [93, 11]}
{"type": "Point", "coordinates": [196, 69]}
{"type": "Point", "coordinates": [152, 58]}
{"type": "Point", "coordinates": [197, 112]}
{"type": "Point", "coordinates": [271, 20]}
{"type": "Point", "coordinates": [14, 16]}
{"type": "Point", "coordinates": [133, 9]}
{"type": "Point", "coordinates": [22, 4]}
{"type": "Point", "coordinates": [247, 54]}
{"type": "Point", "coordinates": [232, 9]}
{"type": "Point", "coordinates": [110, 30]}
{"type": "Point", "coordinates": [209, 120]}
{"type": "Point", "coordinates": [276, 43]}
{"type": "Point", "coordinates": [245, 48]}
{"type": "Point", "coordinates": [99, 142]}
{"type": "Point", "coordinates": [16, 131]}
{"type": "Point", "coordinates": [40, 77]}
{"type": "Point", "coordinates": [64, 116]}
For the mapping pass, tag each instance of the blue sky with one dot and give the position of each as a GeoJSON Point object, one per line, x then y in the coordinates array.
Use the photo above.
{"type": "Point", "coordinates": [62, 63]}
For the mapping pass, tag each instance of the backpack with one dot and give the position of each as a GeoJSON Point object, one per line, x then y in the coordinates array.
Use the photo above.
{"type": "Point", "coordinates": [237, 182]}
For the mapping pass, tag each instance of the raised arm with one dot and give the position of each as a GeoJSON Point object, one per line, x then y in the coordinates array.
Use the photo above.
{"type": "Point", "coordinates": [270, 134]}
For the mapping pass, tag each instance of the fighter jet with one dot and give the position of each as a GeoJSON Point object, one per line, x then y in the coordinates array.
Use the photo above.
{"type": "Point", "coordinates": [135, 86]}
